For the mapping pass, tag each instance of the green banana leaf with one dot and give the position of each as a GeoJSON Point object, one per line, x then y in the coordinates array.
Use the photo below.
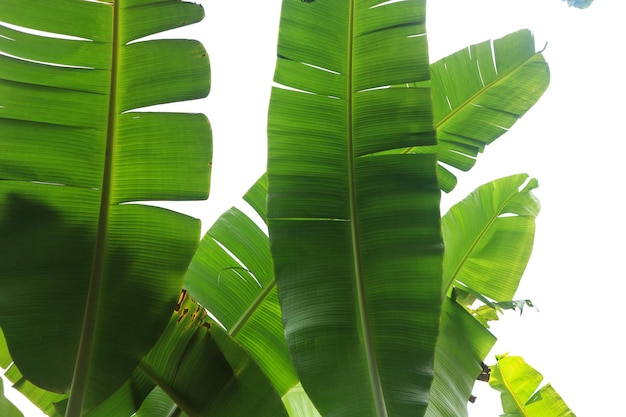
{"type": "Point", "coordinates": [355, 235]}
{"type": "Point", "coordinates": [202, 278]}
{"type": "Point", "coordinates": [459, 80]}
{"type": "Point", "coordinates": [196, 365]}
{"type": "Point", "coordinates": [473, 232]}
{"type": "Point", "coordinates": [478, 93]}
{"type": "Point", "coordinates": [206, 372]}
{"type": "Point", "coordinates": [7, 408]}
{"type": "Point", "coordinates": [159, 404]}
{"type": "Point", "coordinates": [88, 282]}
{"type": "Point", "coordinates": [256, 197]}
{"type": "Point", "coordinates": [489, 238]}
{"type": "Point", "coordinates": [298, 403]}
{"type": "Point", "coordinates": [232, 276]}
{"type": "Point", "coordinates": [521, 396]}
{"type": "Point", "coordinates": [51, 403]}
{"type": "Point", "coordinates": [5, 356]}
{"type": "Point", "coordinates": [463, 345]}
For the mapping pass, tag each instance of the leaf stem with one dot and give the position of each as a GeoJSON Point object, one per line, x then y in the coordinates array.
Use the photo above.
{"type": "Point", "coordinates": [80, 378]}
{"type": "Point", "coordinates": [377, 391]}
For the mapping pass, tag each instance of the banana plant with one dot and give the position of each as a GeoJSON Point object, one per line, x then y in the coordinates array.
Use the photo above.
{"type": "Point", "coordinates": [90, 275]}
{"type": "Point", "coordinates": [231, 273]}
{"type": "Point", "coordinates": [361, 195]}
{"type": "Point", "coordinates": [474, 230]}
{"type": "Point", "coordinates": [228, 274]}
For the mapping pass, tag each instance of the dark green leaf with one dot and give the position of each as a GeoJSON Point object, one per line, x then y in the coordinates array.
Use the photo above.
{"type": "Point", "coordinates": [355, 235]}
{"type": "Point", "coordinates": [88, 283]}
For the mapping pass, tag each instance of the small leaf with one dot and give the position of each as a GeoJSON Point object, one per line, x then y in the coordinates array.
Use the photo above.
{"type": "Point", "coordinates": [518, 384]}
{"type": "Point", "coordinates": [7, 408]}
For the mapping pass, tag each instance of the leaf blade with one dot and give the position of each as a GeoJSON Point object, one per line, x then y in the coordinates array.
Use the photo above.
{"type": "Point", "coordinates": [323, 199]}
{"type": "Point", "coordinates": [69, 161]}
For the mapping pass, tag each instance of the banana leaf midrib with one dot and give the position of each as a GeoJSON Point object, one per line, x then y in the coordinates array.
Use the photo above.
{"type": "Point", "coordinates": [471, 248]}
{"type": "Point", "coordinates": [510, 389]}
{"type": "Point", "coordinates": [376, 385]}
{"type": "Point", "coordinates": [181, 403]}
{"type": "Point", "coordinates": [484, 89]}
{"type": "Point", "coordinates": [478, 94]}
{"type": "Point", "coordinates": [249, 312]}
{"type": "Point", "coordinates": [77, 392]}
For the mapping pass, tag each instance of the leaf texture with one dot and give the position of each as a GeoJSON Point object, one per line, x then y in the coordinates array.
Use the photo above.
{"type": "Point", "coordinates": [518, 384]}
{"type": "Point", "coordinates": [7, 408]}
{"type": "Point", "coordinates": [478, 94]}
{"type": "Point", "coordinates": [354, 234]}
{"type": "Point", "coordinates": [463, 345]}
{"type": "Point", "coordinates": [88, 282]}
{"type": "Point", "coordinates": [489, 237]}
{"type": "Point", "coordinates": [232, 276]}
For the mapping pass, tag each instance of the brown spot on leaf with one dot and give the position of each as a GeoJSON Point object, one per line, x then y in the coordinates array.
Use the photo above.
{"type": "Point", "coordinates": [181, 298]}
{"type": "Point", "coordinates": [195, 313]}
{"type": "Point", "coordinates": [183, 314]}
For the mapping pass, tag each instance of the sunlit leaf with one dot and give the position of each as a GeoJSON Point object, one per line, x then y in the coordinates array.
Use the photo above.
{"type": "Point", "coordinates": [521, 395]}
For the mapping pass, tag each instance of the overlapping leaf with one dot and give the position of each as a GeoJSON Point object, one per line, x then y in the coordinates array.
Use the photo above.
{"type": "Point", "coordinates": [195, 368]}
{"type": "Point", "coordinates": [463, 345]}
{"type": "Point", "coordinates": [232, 276]}
{"type": "Point", "coordinates": [489, 237]}
{"type": "Point", "coordinates": [206, 372]}
{"type": "Point", "coordinates": [478, 93]}
{"type": "Point", "coordinates": [521, 396]}
{"type": "Point", "coordinates": [88, 283]}
{"type": "Point", "coordinates": [355, 233]}
{"type": "Point", "coordinates": [7, 408]}
{"type": "Point", "coordinates": [298, 404]}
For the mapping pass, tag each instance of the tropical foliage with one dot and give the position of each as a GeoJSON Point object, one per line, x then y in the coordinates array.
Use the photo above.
{"type": "Point", "coordinates": [383, 303]}
{"type": "Point", "coordinates": [519, 386]}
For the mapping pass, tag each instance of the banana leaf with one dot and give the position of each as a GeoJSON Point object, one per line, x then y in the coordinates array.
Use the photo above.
{"type": "Point", "coordinates": [298, 403]}
{"type": "Point", "coordinates": [159, 404]}
{"type": "Point", "coordinates": [5, 356]}
{"type": "Point", "coordinates": [463, 345]}
{"type": "Point", "coordinates": [478, 93]}
{"type": "Point", "coordinates": [206, 372]}
{"type": "Point", "coordinates": [355, 235]}
{"type": "Point", "coordinates": [50, 403]}
{"type": "Point", "coordinates": [521, 396]}
{"type": "Point", "coordinates": [232, 276]}
{"type": "Point", "coordinates": [199, 368]}
{"type": "Point", "coordinates": [489, 238]}
{"type": "Point", "coordinates": [506, 89]}
{"type": "Point", "coordinates": [88, 282]}
{"type": "Point", "coordinates": [7, 408]}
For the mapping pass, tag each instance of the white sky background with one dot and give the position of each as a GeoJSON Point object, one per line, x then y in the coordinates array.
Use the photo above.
{"type": "Point", "coordinates": [570, 141]}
